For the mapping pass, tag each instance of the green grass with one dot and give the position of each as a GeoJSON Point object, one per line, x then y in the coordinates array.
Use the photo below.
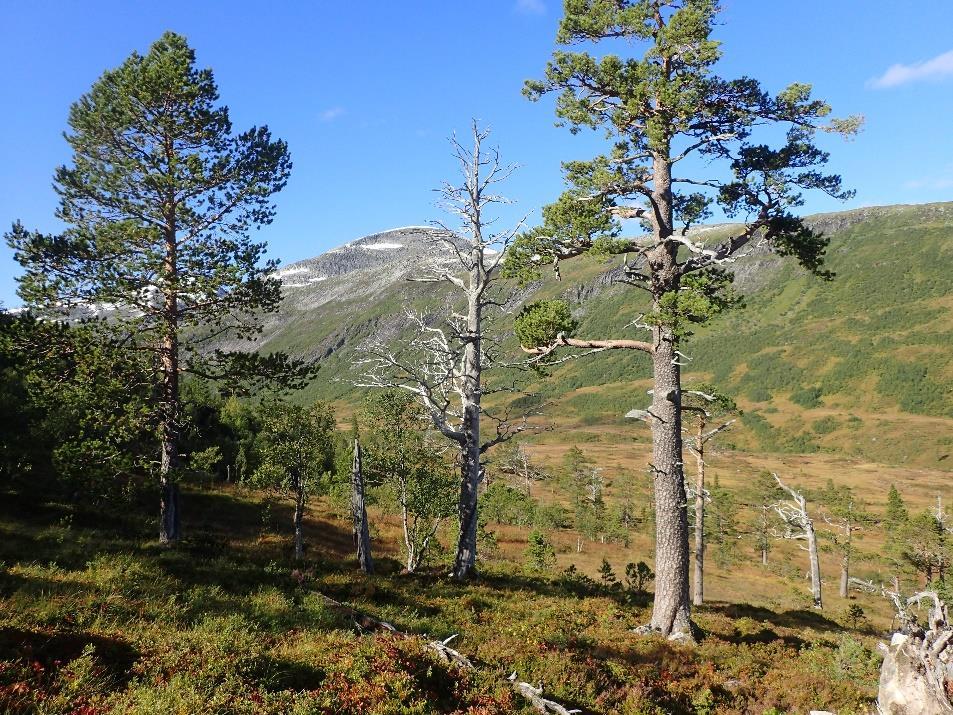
{"type": "Point", "coordinates": [97, 618]}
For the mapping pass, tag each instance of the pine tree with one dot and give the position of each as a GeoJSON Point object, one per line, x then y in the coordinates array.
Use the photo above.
{"type": "Point", "coordinates": [666, 113]}
{"type": "Point", "coordinates": [896, 514]}
{"type": "Point", "coordinates": [160, 198]}
{"type": "Point", "coordinates": [764, 494]}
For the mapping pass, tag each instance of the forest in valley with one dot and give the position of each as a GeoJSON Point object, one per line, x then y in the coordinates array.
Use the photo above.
{"type": "Point", "coordinates": [674, 447]}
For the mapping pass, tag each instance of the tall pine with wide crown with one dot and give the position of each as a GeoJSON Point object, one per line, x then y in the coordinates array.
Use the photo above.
{"type": "Point", "coordinates": [159, 200]}
{"type": "Point", "coordinates": [680, 140]}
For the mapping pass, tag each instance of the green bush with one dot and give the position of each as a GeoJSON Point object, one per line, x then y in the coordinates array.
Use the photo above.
{"type": "Point", "coordinates": [825, 425]}
{"type": "Point", "coordinates": [540, 555]}
{"type": "Point", "coordinates": [807, 397]}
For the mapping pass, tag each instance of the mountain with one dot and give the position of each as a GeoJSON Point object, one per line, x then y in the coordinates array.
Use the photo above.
{"type": "Point", "coordinates": [860, 365]}
{"type": "Point", "coordinates": [335, 301]}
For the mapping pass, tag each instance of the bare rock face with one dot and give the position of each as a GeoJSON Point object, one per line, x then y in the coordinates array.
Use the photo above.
{"type": "Point", "coordinates": [917, 671]}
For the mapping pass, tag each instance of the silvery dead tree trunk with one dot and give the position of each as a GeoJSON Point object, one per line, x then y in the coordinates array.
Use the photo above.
{"type": "Point", "coordinates": [362, 537]}
{"type": "Point", "coordinates": [800, 526]}
{"type": "Point", "coordinates": [444, 363]}
{"type": "Point", "coordinates": [916, 677]}
{"type": "Point", "coordinates": [697, 447]}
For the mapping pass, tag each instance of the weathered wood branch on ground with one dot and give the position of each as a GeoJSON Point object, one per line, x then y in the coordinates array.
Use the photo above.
{"type": "Point", "coordinates": [532, 694]}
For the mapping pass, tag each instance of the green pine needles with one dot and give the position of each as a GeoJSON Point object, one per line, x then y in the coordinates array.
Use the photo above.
{"type": "Point", "coordinates": [159, 201]}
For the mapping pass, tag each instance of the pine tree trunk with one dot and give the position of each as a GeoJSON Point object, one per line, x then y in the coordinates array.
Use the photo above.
{"type": "Point", "coordinates": [844, 578]}
{"type": "Point", "coordinates": [815, 565]}
{"type": "Point", "coordinates": [362, 537]}
{"type": "Point", "coordinates": [671, 612]}
{"type": "Point", "coordinates": [698, 595]}
{"type": "Point", "coordinates": [170, 463]}
{"type": "Point", "coordinates": [298, 518]}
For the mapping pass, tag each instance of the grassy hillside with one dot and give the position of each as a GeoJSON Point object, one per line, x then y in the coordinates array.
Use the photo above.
{"type": "Point", "coordinates": [859, 366]}
{"type": "Point", "coordinates": [95, 618]}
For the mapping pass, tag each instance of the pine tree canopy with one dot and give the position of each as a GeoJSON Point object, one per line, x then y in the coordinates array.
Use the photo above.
{"type": "Point", "coordinates": [682, 141]}
{"type": "Point", "coordinates": [159, 201]}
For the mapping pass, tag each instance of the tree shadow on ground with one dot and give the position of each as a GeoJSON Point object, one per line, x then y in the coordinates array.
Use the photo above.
{"type": "Point", "coordinates": [52, 648]}
{"type": "Point", "coordinates": [798, 618]}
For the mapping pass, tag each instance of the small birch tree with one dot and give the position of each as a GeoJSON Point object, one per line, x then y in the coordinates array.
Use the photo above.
{"type": "Point", "coordinates": [297, 452]}
{"type": "Point", "coordinates": [402, 458]}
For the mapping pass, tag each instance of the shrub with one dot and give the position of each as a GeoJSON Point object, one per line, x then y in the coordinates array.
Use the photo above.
{"type": "Point", "coordinates": [825, 425]}
{"type": "Point", "coordinates": [502, 504]}
{"type": "Point", "coordinates": [638, 576]}
{"type": "Point", "coordinates": [807, 397]}
{"type": "Point", "coordinates": [540, 555]}
{"type": "Point", "coordinates": [606, 574]}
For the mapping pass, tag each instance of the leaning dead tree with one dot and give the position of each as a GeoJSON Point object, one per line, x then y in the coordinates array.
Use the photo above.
{"type": "Point", "coordinates": [443, 364]}
{"type": "Point", "coordinates": [800, 526]}
{"type": "Point", "coordinates": [362, 537]}
{"type": "Point", "coordinates": [916, 677]}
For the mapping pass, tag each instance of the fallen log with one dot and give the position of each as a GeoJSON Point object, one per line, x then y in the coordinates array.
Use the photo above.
{"type": "Point", "coordinates": [447, 654]}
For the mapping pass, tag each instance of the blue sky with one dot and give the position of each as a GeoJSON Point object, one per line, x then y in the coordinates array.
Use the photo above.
{"type": "Point", "coordinates": [366, 95]}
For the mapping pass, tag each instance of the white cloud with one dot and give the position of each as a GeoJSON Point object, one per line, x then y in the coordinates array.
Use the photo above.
{"type": "Point", "coordinates": [329, 115]}
{"type": "Point", "coordinates": [941, 181]}
{"type": "Point", "coordinates": [531, 7]}
{"type": "Point", "coordinates": [937, 183]}
{"type": "Point", "coordinates": [936, 68]}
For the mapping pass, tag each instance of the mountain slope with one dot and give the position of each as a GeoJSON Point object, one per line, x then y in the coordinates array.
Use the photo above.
{"type": "Point", "coordinates": [860, 365]}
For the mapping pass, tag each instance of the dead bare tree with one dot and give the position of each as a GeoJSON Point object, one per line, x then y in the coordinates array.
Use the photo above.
{"type": "Point", "coordinates": [516, 462]}
{"type": "Point", "coordinates": [707, 407]}
{"type": "Point", "coordinates": [362, 538]}
{"type": "Point", "coordinates": [800, 526]}
{"type": "Point", "coordinates": [443, 364]}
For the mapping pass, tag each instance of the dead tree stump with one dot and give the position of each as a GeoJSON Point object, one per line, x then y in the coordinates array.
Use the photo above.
{"type": "Point", "coordinates": [916, 677]}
